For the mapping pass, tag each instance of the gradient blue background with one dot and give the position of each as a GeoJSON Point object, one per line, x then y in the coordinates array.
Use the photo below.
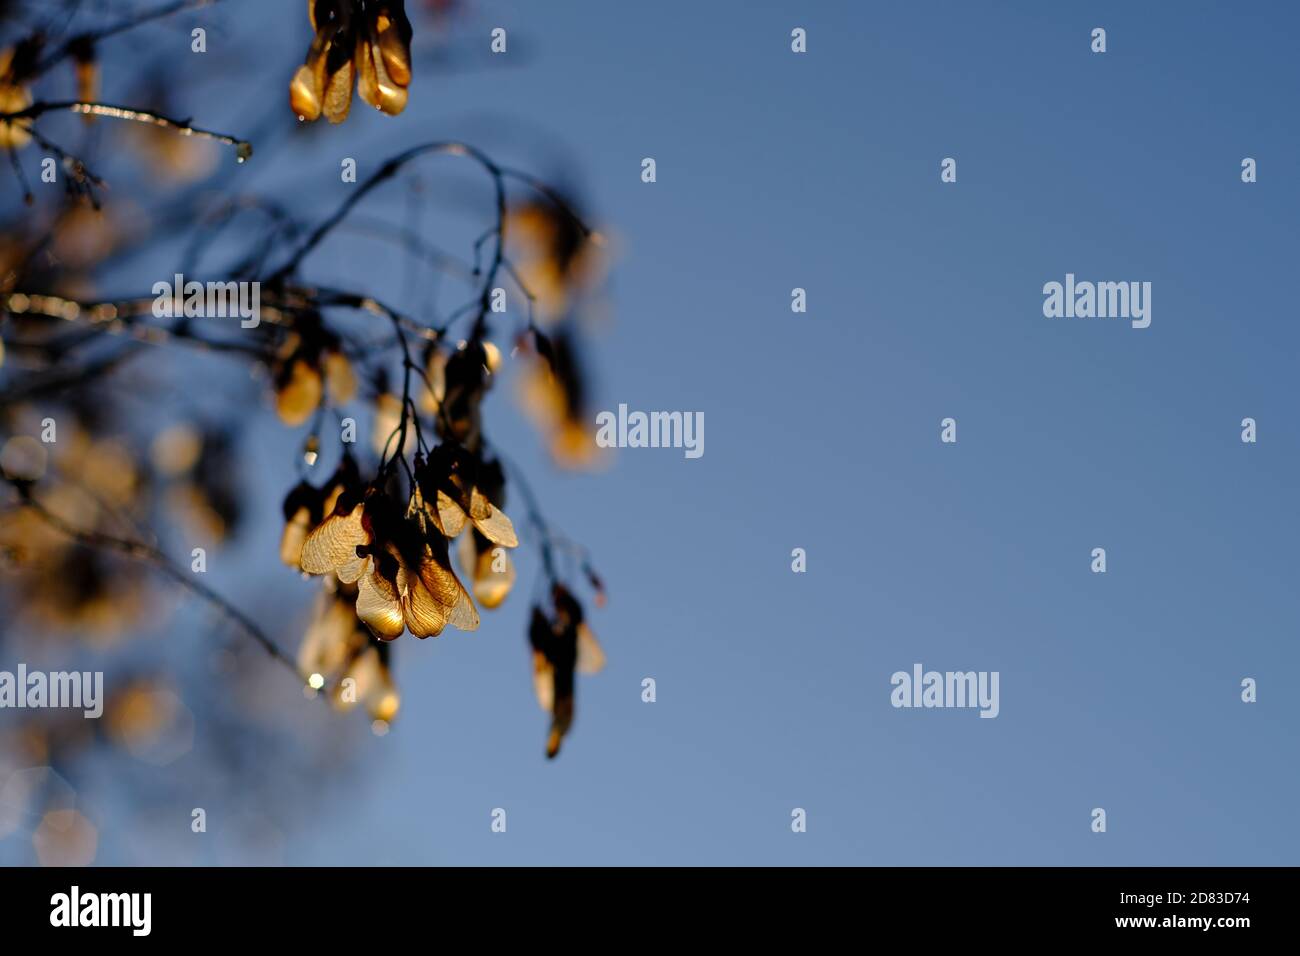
{"type": "Point", "coordinates": [822, 432]}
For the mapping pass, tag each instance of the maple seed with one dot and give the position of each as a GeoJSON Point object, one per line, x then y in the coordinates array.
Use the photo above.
{"type": "Point", "coordinates": [370, 41]}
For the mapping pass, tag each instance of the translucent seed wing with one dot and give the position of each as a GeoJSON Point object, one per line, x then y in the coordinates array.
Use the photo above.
{"type": "Point", "coordinates": [464, 615]}
{"type": "Point", "coordinates": [450, 515]}
{"type": "Point", "coordinates": [378, 606]}
{"type": "Point", "coordinates": [395, 47]}
{"type": "Point", "coordinates": [334, 543]}
{"type": "Point", "coordinates": [338, 94]}
{"type": "Point", "coordinates": [392, 97]}
{"type": "Point", "coordinates": [446, 589]}
{"type": "Point", "coordinates": [299, 397]}
{"type": "Point", "coordinates": [497, 527]}
{"type": "Point", "coordinates": [326, 644]}
{"type": "Point", "coordinates": [295, 534]}
{"type": "Point", "coordinates": [367, 76]}
{"type": "Point", "coordinates": [440, 581]}
{"type": "Point", "coordinates": [367, 670]}
{"type": "Point", "coordinates": [424, 617]}
{"type": "Point", "coordinates": [349, 572]}
{"type": "Point", "coordinates": [306, 91]}
{"type": "Point", "coordinates": [385, 94]}
{"type": "Point", "coordinates": [591, 657]}
{"type": "Point", "coordinates": [543, 681]}
{"type": "Point", "coordinates": [491, 587]}
{"type": "Point", "coordinates": [479, 505]}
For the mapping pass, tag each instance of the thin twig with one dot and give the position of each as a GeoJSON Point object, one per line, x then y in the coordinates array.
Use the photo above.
{"type": "Point", "coordinates": [243, 148]}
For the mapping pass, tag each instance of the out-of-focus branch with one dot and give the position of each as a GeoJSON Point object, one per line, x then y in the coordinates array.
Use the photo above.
{"type": "Point", "coordinates": [151, 555]}
{"type": "Point", "coordinates": [91, 37]}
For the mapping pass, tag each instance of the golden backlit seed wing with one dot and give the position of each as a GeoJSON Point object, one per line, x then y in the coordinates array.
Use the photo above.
{"type": "Point", "coordinates": [440, 581]}
{"type": "Point", "coordinates": [350, 572]}
{"type": "Point", "coordinates": [378, 606]}
{"type": "Point", "coordinates": [467, 555]}
{"type": "Point", "coordinates": [491, 587]}
{"type": "Point", "coordinates": [449, 593]}
{"type": "Point", "coordinates": [295, 534]}
{"type": "Point", "coordinates": [395, 46]}
{"type": "Point", "coordinates": [479, 506]}
{"type": "Point", "coordinates": [308, 86]}
{"type": "Point", "coordinates": [306, 90]}
{"type": "Point", "coordinates": [367, 77]}
{"type": "Point", "coordinates": [340, 379]}
{"type": "Point", "coordinates": [497, 527]}
{"type": "Point", "coordinates": [430, 512]}
{"type": "Point", "coordinates": [374, 686]}
{"type": "Point", "coordinates": [332, 498]}
{"type": "Point", "coordinates": [591, 657]}
{"type": "Point", "coordinates": [424, 616]}
{"type": "Point", "coordinates": [338, 94]}
{"type": "Point", "coordinates": [435, 519]}
{"type": "Point", "coordinates": [543, 681]}
{"type": "Point", "coordinates": [392, 96]}
{"type": "Point", "coordinates": [334, 543]}
{"type": "Point", "coordinates": [397, 62]}
{"type": "Point", "coordinates": [464, 615]}
{"type": "Point", "coordinates": [373, 82]}
{"type": "Point", "coordinates": [451, 516]}
{"type": "Point", "coordinates": [297, 399]}
{"type": "Point", "coordinates": [14, 98]}
{"type": "Point", "coordinates": [331, 639]}
{"type": "Point", "coordinates": [366, 673]}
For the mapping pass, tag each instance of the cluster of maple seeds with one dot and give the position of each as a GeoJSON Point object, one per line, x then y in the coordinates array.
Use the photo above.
{"type": "Point", "coordinates": [365, 40]}
{"type": "Point", "coordinates": [392, 563]}
{"type": "Point", "coordinates": [398, 556]}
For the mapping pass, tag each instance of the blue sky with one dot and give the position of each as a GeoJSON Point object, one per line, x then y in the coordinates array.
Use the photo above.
{"type": "Point", "coordinates": [821, 171]}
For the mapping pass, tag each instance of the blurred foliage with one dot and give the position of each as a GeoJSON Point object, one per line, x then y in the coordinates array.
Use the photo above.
{"type": "Point", "coordinates": [110, 482]}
